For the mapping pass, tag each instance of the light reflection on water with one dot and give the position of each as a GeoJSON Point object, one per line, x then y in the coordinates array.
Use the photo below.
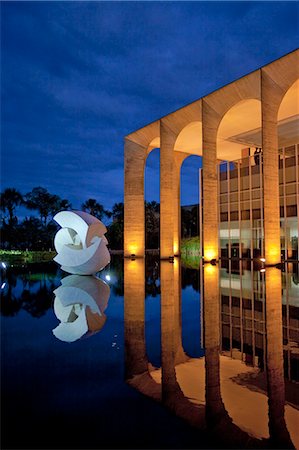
{"type": "Point", "coordinates": [217, 347]}
{"type": "Point", "coordinates": [250, 323]}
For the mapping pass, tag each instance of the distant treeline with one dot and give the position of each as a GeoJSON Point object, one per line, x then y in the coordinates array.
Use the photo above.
{"type": "Point", "coordinates": [36, 232]}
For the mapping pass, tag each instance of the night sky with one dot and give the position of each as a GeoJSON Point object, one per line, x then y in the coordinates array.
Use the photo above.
{"type": "Point", "coordinates": [76, 77]}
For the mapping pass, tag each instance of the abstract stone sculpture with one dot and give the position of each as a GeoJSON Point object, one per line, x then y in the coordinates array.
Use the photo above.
{"type": "Point", "coordinates": [80, 244]}
{"type": "Point", "coordinates": [79, 304]}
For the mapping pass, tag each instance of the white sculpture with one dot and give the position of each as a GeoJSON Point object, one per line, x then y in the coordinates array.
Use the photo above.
{"type": "Point", "coordinates": [79, 304]}
{"type": "Point", "coordinates": [80, 244]}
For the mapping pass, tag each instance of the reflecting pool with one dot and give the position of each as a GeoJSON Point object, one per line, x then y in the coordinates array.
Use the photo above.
{"type": "Point", "coordinates": [150, 354]}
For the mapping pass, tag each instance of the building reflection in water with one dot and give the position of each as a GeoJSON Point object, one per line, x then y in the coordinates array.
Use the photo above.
{"type": "Point", "coordinates": [238, 391]}
{"type": "Point", "coordinates": [79, 305]}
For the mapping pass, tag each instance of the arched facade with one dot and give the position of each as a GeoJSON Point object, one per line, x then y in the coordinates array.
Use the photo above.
{"type": "Point", "coordinates": [176, 133]}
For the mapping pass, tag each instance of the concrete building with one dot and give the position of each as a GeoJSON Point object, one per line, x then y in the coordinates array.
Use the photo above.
{"type": "Point", "coordinates": [250, 200]}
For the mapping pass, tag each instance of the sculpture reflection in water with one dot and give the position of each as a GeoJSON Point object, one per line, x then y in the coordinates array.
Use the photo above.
{"type": "Point", "coordinates": [79, 304]}
{"type": "Point", "coordinates": [216, 393]}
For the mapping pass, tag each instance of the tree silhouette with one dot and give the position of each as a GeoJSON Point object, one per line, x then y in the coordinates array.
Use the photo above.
{"type": "Point", "coordinates": [95, 209]}
{"type": "Point", "coordinates": [9, 199]}
{"type": "Point", "coordinates": [152, 224]}
{"type": "Point", "coordinates": [189, 221]}
{"type": "Point", "coordinates": [116, 228]}
{"type": "Point", "coordinates": [64, 205]}
{"type": "Point", "coordinates": [30, 233]}
{"type": "Point", "coordinates": [39, 199]}
{"type": "Point", "coordinates": [118, 212]}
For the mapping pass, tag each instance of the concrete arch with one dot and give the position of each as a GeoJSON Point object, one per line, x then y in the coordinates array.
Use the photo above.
{"type": "Point", "coordinates": [218, 103]}
{"type": "Point", "coordinates": [276, 79]}
{"type": "Point", "coordinates": [189, 139]}
{"type": "Point", "coordinates": [183, 117]}
{"type": "Point", "coordinates": [280, 76]}
{"type": "Point", "coordinates": [214, 108]}
{"type": "Point", "coordinates": [288, 117]}
{"type": "Point", "coordinates": [239, 127]}
{"type": "Point", "coordinates": [187, 143]}
{"type": "Point", "coordinates": [289, 105]}
{"type": "Point", "coordinates": [269, 85]}
{"type": "Point", "coordinates": [170, 129]}
{"type": "Point", "coordinates": [137, 147]}
{"type": "Point", "coordinates": [144, 136]}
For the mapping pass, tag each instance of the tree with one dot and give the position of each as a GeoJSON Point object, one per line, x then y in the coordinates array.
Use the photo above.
{"type": "Point", "coordinates": [95, 209]}
{"type": "Point", "coordinates": [189, 221]}
{"type": "Point", "coordinates": [30, 234]}
{"type": "Point", "coordinates": [64, 205]}
{"type": "Point", "coordinates": [116, 228]}
{"type": "Point", "coordinates": [118, 212]}
{"type": "Point", "coordinates": [152, 224]}
{"type": "Point", "coordinates": [10, 198]}
{"type": "Point", "coordinates": [41, 200]}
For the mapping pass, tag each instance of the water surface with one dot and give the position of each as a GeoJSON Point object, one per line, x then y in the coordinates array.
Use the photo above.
{"type": "Point", "coordinates": [150, 354]}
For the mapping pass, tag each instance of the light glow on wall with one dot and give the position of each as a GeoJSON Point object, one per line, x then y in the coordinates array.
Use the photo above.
{"type": "Point", "coordinates": [175, 247]}
{"type": "Point", "coordinates": [210, 254]}
{"type": "Point", "coordinates": [133, 249]}
{"type": "Point", "coordinates": [273, 254]}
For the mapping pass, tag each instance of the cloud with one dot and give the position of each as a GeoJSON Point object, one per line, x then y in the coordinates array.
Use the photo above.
{"type": "Point", "coordinates": [78, 76]}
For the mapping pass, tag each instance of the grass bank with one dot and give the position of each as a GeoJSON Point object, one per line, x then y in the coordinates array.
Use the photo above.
{"type": "Point", "coordinates": [190, 252]}
{"type": "Point", "coordinates": [191, 246]}
{"type": "Point", "coordinates": [19, 257]}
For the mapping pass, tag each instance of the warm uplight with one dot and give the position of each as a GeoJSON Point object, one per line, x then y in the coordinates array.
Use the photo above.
{"type": "Point", "coordinates": [131, 265]}
{"type": "Point", "coordinates": [263, 260]}
{"type": "Point", "coordinates": [273, 284]}
{"type": "Point", "coordinates": [273, 255]}
{"type": "Point", "coordinates": [210, 254]}
{"type": "Point", "coordinates": [210, 269]}
{"type": "Point", "coordinates": [133, 249]}
{"type": "Point", "coordinates": [175, 248]}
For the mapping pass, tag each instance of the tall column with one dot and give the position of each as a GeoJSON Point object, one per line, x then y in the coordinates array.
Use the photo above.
{"type": "Point", "coordinates": [167, 179]}
{"type": "Point", "coordinates": [169, 381]}
{"type": "Point", "coordinates": [172, 394]}
{"type": "Point", "coordinates": [270, 96]}
{"type": "Point", "coordinates": [209, 171]}
{"type": "Point", "coordinates": [134, 225]}
{"type": "Point", "coordinates": [134, 315]}
{"type": "Point", "coordinates": [214, 405]}
{"type": "Point", "coordinates": [275, 373]}
{"type": "Point", "coordinates": [180, 355]}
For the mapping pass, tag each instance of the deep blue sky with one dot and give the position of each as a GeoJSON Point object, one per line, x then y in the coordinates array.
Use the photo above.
{"type": "Point", "coordinates": [76, 77]}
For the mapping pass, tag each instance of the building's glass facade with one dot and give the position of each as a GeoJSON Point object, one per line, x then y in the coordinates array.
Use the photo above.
{"type": "Point", "coordinates": [243, 314]}
{"type": "Point", "coordinates": [240, 205]}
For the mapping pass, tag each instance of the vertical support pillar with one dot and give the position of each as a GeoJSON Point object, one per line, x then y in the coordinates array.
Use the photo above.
{"type": "Point", "coordinates": [214, 404]}
{"type": "Point", "coordinates": [270, 96]}
{"type": "Point", "coordinates": [169, 381]}
{"type": "Point", "coordinates": [180, 355]}
{"type": "Point", "coordinates": [209, 167]}
{"type": "Point", "coordinates": [134, 313]}
{"type": "Point", "coordinates": [134, 225]}
{"type": "Point", "coordinates": [167, 178]}
{"type": "Point", "coordinates": [275, 373]}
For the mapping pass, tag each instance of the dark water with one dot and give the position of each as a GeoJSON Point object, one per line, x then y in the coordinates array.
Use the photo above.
{"type": "Point", "coordinates": [150, 354]}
